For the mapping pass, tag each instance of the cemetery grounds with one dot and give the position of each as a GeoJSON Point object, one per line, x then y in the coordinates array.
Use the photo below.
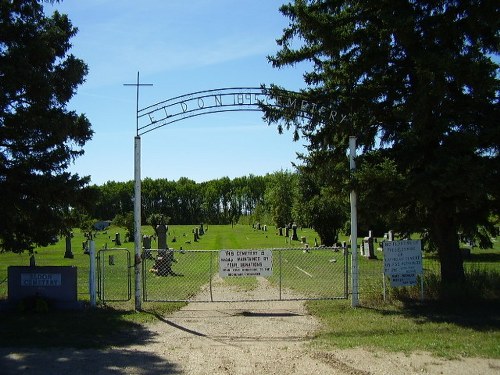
{"type": "Point", "coordinates": [323, 337]}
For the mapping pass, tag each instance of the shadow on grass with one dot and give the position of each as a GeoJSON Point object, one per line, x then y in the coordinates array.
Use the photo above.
{"type": "Point", "coordinates": [479, 316]}
{"type": "Point", "coordinates": [484, 257]}
{"type": "Point", "coordinates": [78, 342]}
{"type": "Point", "coordinates": [98, 328]}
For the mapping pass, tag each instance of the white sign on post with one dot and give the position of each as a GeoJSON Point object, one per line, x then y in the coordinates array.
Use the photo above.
{"type": "Point", "coordinates": [403, 261]}
{"type": "Point", "coordinates": [245, 263]}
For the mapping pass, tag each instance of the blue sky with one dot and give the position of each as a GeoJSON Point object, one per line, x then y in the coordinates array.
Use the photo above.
{"type": "Point", "coordinates": [180, 47]}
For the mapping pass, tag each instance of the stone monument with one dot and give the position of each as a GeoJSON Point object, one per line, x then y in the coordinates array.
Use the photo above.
{"type": "Point", "coordinates": [68, 253]}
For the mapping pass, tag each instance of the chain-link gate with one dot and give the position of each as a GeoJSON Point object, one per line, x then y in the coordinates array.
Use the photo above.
{"type": "Point", "coordinates": [290, 274]}
{"type": "Point", "coordinates": [114, 275]}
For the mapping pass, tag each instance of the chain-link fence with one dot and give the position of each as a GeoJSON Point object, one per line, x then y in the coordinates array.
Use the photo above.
{"type": "Point", "coordinates": [317, 273]}
{"type": "Point", "coordinates": [477, 267]}
{"type": "Point", "coordinates": [289, 273]}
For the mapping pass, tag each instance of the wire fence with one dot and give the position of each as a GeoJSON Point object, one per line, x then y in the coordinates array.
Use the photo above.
{"type": "Point", "coordinates": [315, 273]}
{"type": "Point", "coordinates": [230, 275]}
{"type": "Point", "coordinates": [478, 266]}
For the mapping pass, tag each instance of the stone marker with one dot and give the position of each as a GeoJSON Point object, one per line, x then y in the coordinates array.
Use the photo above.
{"type": "Point", "coordinates": [295, 237]}
{"type": "Point", "coordinates": [146, 243]}
{"type": "Point", "coordinates": [68, 253]}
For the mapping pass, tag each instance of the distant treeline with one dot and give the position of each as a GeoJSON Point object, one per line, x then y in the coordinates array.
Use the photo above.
{"type": "Point", "coordinates": [219, 201]}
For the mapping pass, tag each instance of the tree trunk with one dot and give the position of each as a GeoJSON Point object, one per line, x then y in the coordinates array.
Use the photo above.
{"type": "Point", "coordinates": [446, 240]}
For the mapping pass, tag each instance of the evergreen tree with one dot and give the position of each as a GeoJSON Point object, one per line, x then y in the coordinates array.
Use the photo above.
{"type": "Point", "coordinates": [39, 136]}
{"type": "Point", "coordinates": [417, 83]}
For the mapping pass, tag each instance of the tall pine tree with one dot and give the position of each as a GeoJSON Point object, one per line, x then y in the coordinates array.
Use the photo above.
{"type": "Point", "coordinates": [419, 82]}
{"type": "Point", "coordinates": [39, 136]}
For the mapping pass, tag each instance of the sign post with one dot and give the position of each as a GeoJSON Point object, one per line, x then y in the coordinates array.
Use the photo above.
{"type": "Point", "coordinates": [354, 227]}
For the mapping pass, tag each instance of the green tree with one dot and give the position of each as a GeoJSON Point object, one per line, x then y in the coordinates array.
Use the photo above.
{"type": "Point", "coordinates": [39, 136]}
{"type": "Point", "coordinates": [417, 83]}
{"type": "Point", "coordinates": [319, 206]}
{"type": "Point", "coordinates": [280, 195]}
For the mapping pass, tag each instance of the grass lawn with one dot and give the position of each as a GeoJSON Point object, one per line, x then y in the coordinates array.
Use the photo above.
{"type": "Point", "coordinates": [448, 331]}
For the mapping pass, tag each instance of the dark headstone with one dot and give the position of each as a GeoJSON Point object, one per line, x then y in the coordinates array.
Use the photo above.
{"type": "Point", "coordinates": [68, 253]}
{"type": "Point", "coordinates": [161, 232]}
{"type": "Point", "coordinates": [295, 237]}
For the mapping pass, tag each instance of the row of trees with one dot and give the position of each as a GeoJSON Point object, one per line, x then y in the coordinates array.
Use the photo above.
{"type": "Point", "coordinates": [218, 201]}
{"type": "Point", "coordinates": [278, 199]}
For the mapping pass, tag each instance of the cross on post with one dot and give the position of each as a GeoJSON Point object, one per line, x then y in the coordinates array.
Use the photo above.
{"type": "Point", "coordinates": [137, 85]}
{"type": "Point", "coordinates": [137, 199]}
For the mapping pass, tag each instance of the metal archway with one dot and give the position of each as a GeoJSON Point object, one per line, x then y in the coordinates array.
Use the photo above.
{"type": "Point", "coordinates": [229, 99]}
{"type": "Point", "coordinates": [205, 102]}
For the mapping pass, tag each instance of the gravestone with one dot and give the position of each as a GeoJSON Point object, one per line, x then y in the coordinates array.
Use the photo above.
{"type": "Point", "coordinates": [295, 237]}
{"type": "Point", "coordinates": [146, 243]}
{"type": "Point", "coordinates": [68, 253]}
{"type": "Point", "coordinates": [163, 264]}
{"type": "Point", "coordinates": [161, 232]}
{"type": "Point", "coordinates": [85, 247]}
{"type": "Point", "coordinates": [367, 247]}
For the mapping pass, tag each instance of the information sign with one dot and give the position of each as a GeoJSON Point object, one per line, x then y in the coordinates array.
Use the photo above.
{"type": "Point", "coordinates": [403, 261]}
{"type": "Point", "coordinates": [245, 263]}
{"type": "Point", "coordinates": [402, 257]}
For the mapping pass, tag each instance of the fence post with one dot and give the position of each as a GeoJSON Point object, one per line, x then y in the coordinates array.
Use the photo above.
{"type": "Point", "coordinates": [354, 228]}
{"type": "Point", "coordinates": [92, 274]}
{"type": "Point", "coordinates": [137, 221]}
{"type": "Point", "coordinates": [211, 277]}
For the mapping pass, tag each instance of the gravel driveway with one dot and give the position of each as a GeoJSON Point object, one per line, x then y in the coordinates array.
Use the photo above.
{"type": "Point", "coordinates": [233, 338]}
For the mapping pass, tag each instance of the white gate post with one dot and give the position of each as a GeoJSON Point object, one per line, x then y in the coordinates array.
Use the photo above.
{"type": "Point", "coordinates": [137, 197]}
{"type": "Point", "coordinates": [92, 274]}
{"type": "Point", "coordinates": [137, 221]}
{"type": "Point", "coordinates": [354, 227]}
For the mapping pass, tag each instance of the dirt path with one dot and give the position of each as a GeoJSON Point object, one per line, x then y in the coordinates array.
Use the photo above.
{"type": "Point", "coordinates": [233, 338]}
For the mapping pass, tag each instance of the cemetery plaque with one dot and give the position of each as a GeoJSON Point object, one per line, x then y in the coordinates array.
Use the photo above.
{"type": "Point", "coordinates": [54, 283]}
{"type": "Point", "coordinates": [403, 261]}
{"type": "Point", "coordinates": [245, 263]}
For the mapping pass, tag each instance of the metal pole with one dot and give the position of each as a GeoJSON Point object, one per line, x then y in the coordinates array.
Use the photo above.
{"type": "Point", "coordinates": [422, 287]}
{"type": "Point", "coordinates": [92, 284]}
{"type": "Point", "coordinates": [354, 228]}
{"type": "Point", "coordinates": [211, 277]}
{"type": "Point", "coordinates": [137, 220]}
{"type": "Point", "coordinates": [281, 268]}
{"type": "Point", "coordinates": [137, 195]}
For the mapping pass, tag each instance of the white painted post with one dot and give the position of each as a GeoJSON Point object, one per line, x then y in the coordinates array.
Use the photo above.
{"type": "Point", "coordinates": [137, 221]}
{"type": "Point", "coordinates": [354, 228]}
{"type": "Point", "coordinates": [92, 274]}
